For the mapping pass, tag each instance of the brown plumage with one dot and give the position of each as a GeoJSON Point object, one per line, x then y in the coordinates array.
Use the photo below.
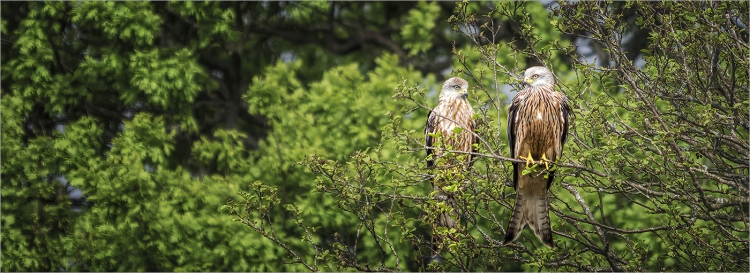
{"type": "Point", "coordinates": [537, 126]}
{"type": "Point", "coordinates": [453, 110]}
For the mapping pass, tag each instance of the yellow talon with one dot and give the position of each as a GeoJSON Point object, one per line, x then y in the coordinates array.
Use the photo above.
{"type": "Point", "coordinates": [529, 159]}
{"type": "Point", "coordinates": [545, 160]}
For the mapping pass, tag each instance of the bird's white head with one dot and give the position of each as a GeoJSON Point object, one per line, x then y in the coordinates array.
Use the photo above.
{"type": "Point", "coordinates": [538, 76]}
{"type": "Point", "coordinates": [455, 87]}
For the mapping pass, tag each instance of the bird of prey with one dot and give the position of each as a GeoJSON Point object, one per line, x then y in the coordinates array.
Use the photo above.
{"type": "Point", "coordinates": [537, 129]}
{"type": "Point", "coordinates": [453, 111]}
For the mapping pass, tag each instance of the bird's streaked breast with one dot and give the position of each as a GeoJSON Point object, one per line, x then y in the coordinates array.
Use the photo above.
{"type": "Point", "coordinates": [460, 111]}
{"type": "Point", "coordinates": [539, 121]}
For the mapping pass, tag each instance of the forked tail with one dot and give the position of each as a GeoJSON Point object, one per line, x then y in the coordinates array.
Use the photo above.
{"type": "Point", "coordinates": [531, 208]}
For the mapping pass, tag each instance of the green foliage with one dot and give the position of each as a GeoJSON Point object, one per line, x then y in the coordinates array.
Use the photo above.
{"type": "Point", "coordinates": [333, 118]}
{"type": "Point", "coordinates": [288, 136]}
{"type": "Point", "coordinates": [32, 201]}
{"type": "Point", "coordinates": [417, 33]}
{"type": "Point", "coordinates": [165, 82]}
{"type": "Point", "coordinates": [133, 23]}
{"type": "Point", "coordinates": [634, 192]}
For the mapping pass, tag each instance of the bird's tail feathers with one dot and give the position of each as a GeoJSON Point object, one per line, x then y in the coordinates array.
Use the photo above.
{"type": "Point", "coordinates": [445, 219]}
{"type": "Point", "coordinates": [448, 219]}
{"type": "Point", "coordinates": [531, 208]}
{"type": "Point", "coordinates": [517, 221]}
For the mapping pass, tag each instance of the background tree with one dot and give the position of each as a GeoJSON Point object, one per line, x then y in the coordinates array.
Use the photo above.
{"type": "Point", "coordinates": [124, 126]}
{"type": "Point", "coordinates": [127, 125]}
{"type": "Point", "coordinates": [655, 177]}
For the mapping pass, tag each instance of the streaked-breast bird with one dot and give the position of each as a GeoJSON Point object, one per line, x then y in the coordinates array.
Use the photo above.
{"type": "Point", "coordinates": [453, 111]}
{"type": "Point", "coordinates": [537, 131]}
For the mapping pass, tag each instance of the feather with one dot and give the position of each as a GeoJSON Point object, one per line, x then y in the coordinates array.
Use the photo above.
{"type": "Point", "coordinates": [429, 128]}
{"type": "Point", "coordinates": [531, 208]}
{"type": "Point", "coordinates": [453, 111]}
{"type": "Point", "coordinates": [537, 126]}
{"type": "Point", "coordinates": [450, 113]}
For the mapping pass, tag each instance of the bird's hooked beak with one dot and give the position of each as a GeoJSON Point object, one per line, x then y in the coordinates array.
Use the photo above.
{"type": "Point", "coordinates": [527, 80]}
{"type": "Point", "coordinates": [464, 93]}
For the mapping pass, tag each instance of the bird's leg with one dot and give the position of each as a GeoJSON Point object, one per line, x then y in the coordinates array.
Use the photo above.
{"type": "Point", "coordinates": [545, 161]}
{"type": "Point", "coordinates": [529, 159]}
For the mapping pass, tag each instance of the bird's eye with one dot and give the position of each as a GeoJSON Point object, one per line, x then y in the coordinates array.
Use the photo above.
{"type": "Point", "coordinates": [456, 87]}
{"type": "Point", "coordinates": [535, 76]}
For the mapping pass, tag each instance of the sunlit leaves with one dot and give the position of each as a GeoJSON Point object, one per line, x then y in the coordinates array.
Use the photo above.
{"type": "Point", "coordinates": [417, 33]}
{"type": "Point", "coordinates": [169, 81]}
{"type": "Point", "coordinates": [132, 22]}
{"type": "Point", "coordinates": [212, 21]}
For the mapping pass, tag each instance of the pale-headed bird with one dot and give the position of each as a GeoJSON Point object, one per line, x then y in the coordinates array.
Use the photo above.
{"type": "Point", "coordinates": [537, 130]}
{"type": "Point", "coordinates": [453, 110]}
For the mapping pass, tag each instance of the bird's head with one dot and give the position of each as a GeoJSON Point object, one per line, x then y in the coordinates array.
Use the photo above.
{"type": "Point", "coordinates": [537, 76]}
{"type": "Point", "coordinates": [455, 87]}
